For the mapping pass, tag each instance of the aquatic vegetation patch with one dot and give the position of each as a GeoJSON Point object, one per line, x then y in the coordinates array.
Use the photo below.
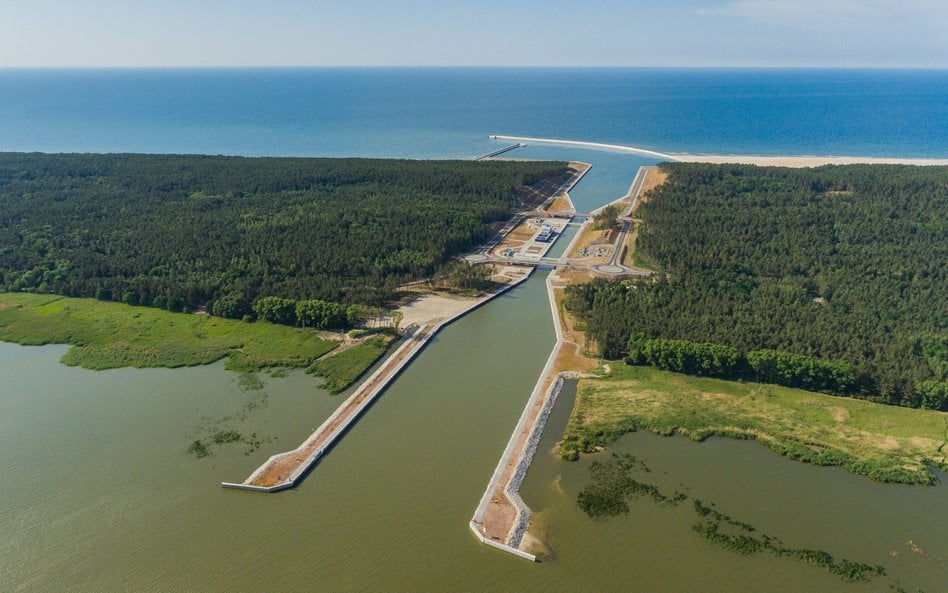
{"type": "Point", "coordinates": [225, 436]}
{"type": "Point", "coordinates": [742, 543]}
{"type": "Point", "coordinates": [250, 382]}
{"type": "Point", "coordinates": [201, 448]}
{"type": "Point", "coordinates": [213, 431]}
{"type": "Point", "coordinates": [612, 486]}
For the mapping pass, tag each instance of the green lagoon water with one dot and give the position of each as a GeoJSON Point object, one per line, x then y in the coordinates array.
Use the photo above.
{"type": "Point", "coordinates": [99, 493]}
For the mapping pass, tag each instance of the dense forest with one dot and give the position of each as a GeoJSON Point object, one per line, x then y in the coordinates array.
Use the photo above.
{"type": "Point", "coordinates": [181, 232]}
{"type": "Point", "coordinates": [833, 279]}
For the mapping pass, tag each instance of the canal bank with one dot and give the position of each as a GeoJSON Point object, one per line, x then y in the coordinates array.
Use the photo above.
{"type": "Point", "coordinates": [285, 470]}
{"type": "Point", "coordinates": [501, 518]}
{"type": "Point", "coordinates": [133, 510]}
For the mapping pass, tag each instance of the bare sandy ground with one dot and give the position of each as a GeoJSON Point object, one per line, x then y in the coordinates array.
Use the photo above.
{"type": "Point", "coordinates": [432, 307]}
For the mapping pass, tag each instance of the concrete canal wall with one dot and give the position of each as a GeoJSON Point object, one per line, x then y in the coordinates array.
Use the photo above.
{"type": "Point", "coordinates": [345, 415]}
{"type": "Point", "coordinates": [520, 450]}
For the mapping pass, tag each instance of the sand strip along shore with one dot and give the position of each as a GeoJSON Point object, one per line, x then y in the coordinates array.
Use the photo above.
{"type": "Point", "coordinates": [771, 161]}
{"type": "Point", "coordinates": [806, 161]}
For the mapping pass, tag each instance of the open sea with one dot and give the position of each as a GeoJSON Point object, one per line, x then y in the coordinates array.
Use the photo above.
{"type": "Point", "coordinates": [449, 113]}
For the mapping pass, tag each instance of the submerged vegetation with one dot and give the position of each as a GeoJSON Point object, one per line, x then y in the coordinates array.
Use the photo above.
{"type": "Point", "coordinates": [202, 448]}
{"type": "Point", "coordinates": [612, 485]}
{"type": "Point", "coordinates": [211, 432]}
{"type": "Point", "coordinates": [831, 279]}
{"type": "Point", "coordinates": [885, 443]}
{"type": "Point", "coordinates": [344, 368]}
{"type": "Point", "coordinates": [199, 449]}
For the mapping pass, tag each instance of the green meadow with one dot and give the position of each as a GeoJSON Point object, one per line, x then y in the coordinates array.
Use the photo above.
{"type": "Point", "coordinates": [345, 367]}
{"type": "Point", "coordinates": [886, 443]}
{"type": "Point", "coordinates": [107, 335]}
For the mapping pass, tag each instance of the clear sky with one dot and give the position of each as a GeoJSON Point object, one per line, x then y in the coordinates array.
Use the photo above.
{"type": "Point", "coordinates": [874, 33]}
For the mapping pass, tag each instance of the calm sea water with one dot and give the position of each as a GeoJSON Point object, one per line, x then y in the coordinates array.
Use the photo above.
{"type": "Point", "coordinates": [450, 112]}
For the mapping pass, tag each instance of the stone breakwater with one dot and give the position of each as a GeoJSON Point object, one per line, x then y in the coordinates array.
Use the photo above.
{"type": "Point", "coordinates": [513, 488]}
{"type": "Point", "coordinates": [501, 517]}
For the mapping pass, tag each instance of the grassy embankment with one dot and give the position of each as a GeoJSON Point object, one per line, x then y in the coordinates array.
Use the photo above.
{"type": "Point", "coordinates": [107, 335]}
{"type": "Point", "coordinates": [343, 369]}
{"type": "Point", "coordinates": [883, 442]}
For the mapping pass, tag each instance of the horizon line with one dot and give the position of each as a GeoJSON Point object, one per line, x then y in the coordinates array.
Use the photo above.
{"type": "Point", "coordinates": [463, 66]}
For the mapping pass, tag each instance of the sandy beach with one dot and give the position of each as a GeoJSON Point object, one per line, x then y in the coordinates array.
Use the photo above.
{"type": "Point", "coordinates": [803, 161]}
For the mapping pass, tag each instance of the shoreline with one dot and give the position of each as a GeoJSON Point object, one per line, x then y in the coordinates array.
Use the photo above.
{"type": "Point", "coordinates": [760, 160]}
{"type": "Point", "coordinates": [799, 161]}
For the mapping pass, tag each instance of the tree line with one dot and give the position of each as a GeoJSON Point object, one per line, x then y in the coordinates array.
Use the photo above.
{"type": "Point", "coordinates": [312, 313]}
{"type": "Point", "coordinates": [183, 232]}
{"type": "Point", "coordinates": [832, 279]}
{"type": "Point", "coordinates": [765, 365]}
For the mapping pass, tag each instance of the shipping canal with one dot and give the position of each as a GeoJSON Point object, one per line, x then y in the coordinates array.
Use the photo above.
{"type": "Point", "coordinates": [100, 492]}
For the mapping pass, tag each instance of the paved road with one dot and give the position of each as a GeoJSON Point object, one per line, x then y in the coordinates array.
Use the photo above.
{"type": "Point", "coordinates": [625, 217]}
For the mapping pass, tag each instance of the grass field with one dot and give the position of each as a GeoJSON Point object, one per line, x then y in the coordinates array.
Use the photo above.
{"type": "Point", "coordinates": [343, 369]}
{"type": "Point", "coordinates": [107, 335]}
{"type": "Point", "coordinates": [883, 442]}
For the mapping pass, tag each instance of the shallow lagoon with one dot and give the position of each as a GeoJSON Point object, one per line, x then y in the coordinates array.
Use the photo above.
{"type": "Point", "coordinates": [99, 492]}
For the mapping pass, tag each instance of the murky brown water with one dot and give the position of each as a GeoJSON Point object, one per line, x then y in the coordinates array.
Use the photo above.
{"type": "Point", "coordinates": [98, 492]}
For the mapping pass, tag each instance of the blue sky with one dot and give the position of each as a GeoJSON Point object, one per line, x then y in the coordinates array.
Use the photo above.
{"type": "Point", "coordinates": [860, 33]}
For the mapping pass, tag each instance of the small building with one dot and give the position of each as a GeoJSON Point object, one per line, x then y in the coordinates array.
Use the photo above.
{"type": "Point", "coordinates": [545, 234]}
